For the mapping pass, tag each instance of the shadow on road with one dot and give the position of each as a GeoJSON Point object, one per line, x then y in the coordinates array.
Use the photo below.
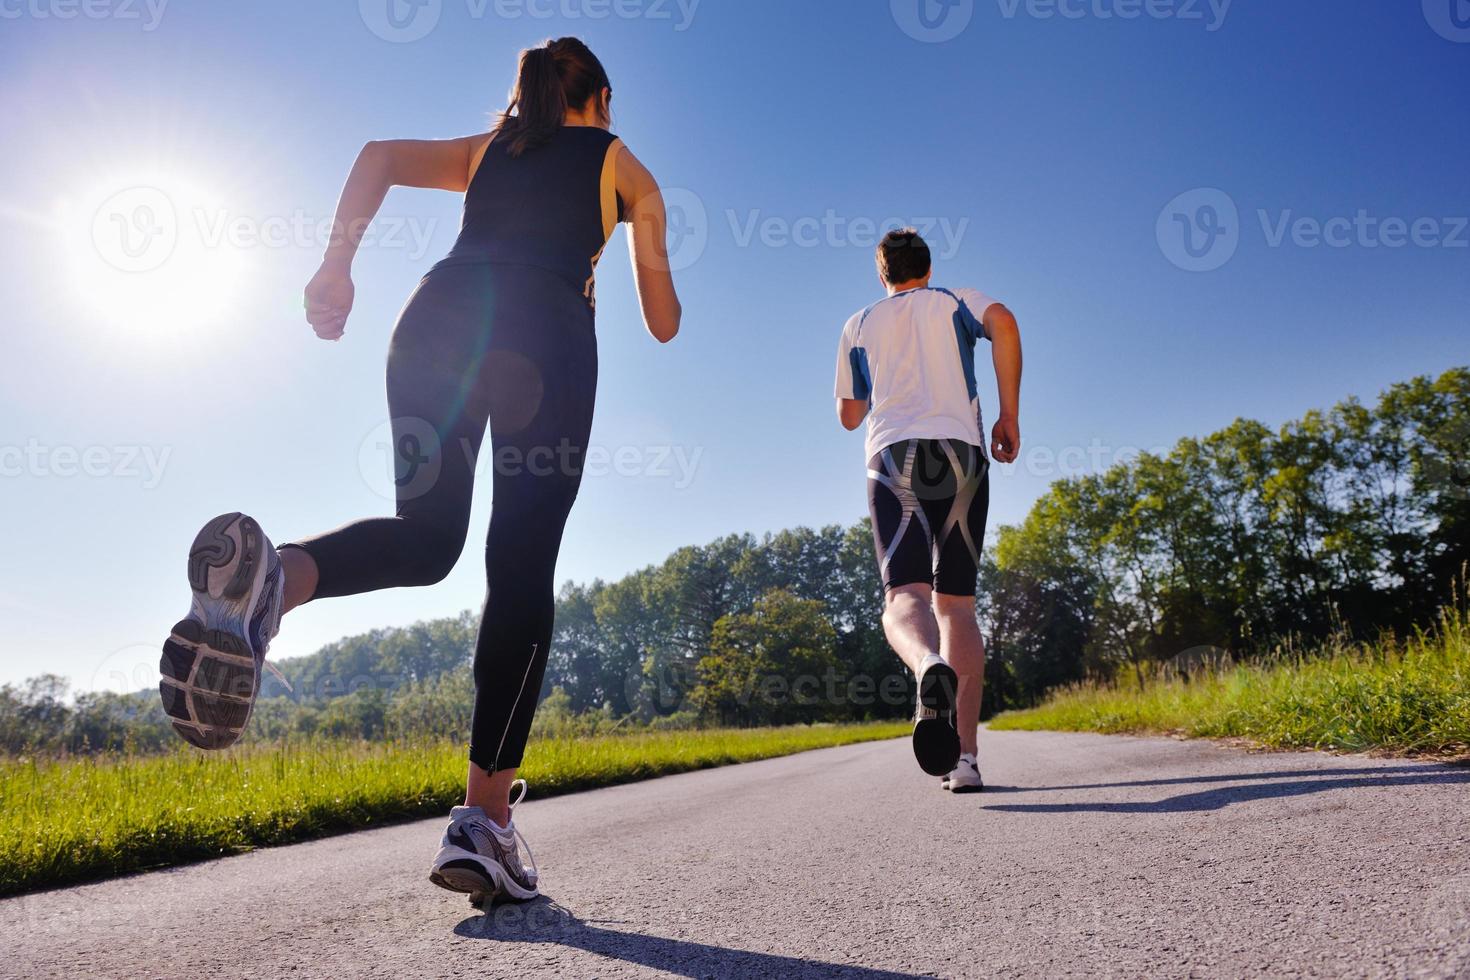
{"type": "Point", "coordinates": [544, 921]}
{"type": "Point", "coordinates": [1420, 769]}
{"type": "Point", "coordinates": [1215, 799]}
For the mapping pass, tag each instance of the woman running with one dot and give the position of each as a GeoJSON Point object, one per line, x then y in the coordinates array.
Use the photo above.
{"type": "Point", "coordinates": [500, 331]}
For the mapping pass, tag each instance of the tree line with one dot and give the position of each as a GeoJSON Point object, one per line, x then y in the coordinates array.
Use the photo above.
{"type": "Point", "coordinates": [1353, 519]}
{"type": "Point", "coordinates": [1356, 518]}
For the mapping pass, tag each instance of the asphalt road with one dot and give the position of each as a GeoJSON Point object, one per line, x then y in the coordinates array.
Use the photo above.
{"type": "Point", "coordinates": [1088, 855]}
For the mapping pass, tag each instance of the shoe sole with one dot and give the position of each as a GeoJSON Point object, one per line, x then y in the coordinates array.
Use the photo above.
{"type": "Point", "coordinates": [465, 878]}
{"type": "Point", "coordinates": [936, 742]}
{"type": "Point", "coordinates": [483, 881]}
{"type": "Point", "coordinates": [209, 673]}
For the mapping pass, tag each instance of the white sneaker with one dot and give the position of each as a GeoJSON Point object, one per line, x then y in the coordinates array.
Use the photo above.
{"type": "Point", "coordinates": [936, 742]}
{"type": "Point", "coordinates": [481, 859]}
{"type": "Point", "coordinates": [213, 657]}
{"type": "Point", "coordinates": [965, 778]}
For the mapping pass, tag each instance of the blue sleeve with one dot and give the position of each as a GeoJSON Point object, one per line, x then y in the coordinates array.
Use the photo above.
{"type": "Point", "coordinates": [854, 381]}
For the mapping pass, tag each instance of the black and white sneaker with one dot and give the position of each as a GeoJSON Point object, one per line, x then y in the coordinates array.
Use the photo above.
{"type": "Point", "coordinates": [936, 742]}
{"type": "Point", "coordinates": [478, 858]}
{"type": "Point", "coordinates": [965, 777]}
{"type": "Point", "coordinates": [213, 659]}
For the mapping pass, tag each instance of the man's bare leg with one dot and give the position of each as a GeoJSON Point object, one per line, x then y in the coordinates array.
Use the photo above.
{"type": "Point", "coordinates": [913, 632]}
{"type": "Point", "coordinates": [963, 648]}
{"type": "Point", "coordinates": [909, 624]}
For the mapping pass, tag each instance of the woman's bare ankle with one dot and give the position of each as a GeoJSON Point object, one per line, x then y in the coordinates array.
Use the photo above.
{"type": "Point", "coordinates": [302, 577]}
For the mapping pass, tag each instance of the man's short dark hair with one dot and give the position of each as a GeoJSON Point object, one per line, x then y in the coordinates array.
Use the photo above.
{"type": "Point", "coordinates": [903, 256]}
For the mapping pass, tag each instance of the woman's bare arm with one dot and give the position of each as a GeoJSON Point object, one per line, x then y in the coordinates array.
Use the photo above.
{"type": "Point", "coordinates": [648, 247]}
{"type": "Point", "coordinates": [382, 164]}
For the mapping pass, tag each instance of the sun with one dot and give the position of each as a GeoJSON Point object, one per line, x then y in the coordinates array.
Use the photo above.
{"type": "Point", "coordinates": [149, 254]}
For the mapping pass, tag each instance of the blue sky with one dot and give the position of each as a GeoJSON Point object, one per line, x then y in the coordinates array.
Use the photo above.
{"type": "Point", "coordinates": [1058, 151]}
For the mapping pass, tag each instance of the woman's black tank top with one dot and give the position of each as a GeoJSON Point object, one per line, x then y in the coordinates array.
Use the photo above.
{"type": "Point", "coordinates": [553, 207]}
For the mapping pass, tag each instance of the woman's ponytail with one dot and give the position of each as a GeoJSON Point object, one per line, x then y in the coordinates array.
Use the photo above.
{"type": "Point", "coordinates": [559, 75]}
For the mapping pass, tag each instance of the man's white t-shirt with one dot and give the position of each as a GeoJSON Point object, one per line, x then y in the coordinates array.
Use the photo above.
{"type": "Point", "coordinates": [911, 356]}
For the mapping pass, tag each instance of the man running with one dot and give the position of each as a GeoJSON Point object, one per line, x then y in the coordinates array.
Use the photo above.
{"type": "Point", "coordinates": [907, 364]}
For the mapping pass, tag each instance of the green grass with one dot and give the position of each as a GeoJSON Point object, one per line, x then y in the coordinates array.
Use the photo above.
{"type": "Point", "coordinates": [70, 820]}
{"type": "Point", "coordinates": [1407, 697]}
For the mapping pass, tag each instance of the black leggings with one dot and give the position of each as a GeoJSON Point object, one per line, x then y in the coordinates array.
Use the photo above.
{"type": "Point", "coordinates": [514, 346]}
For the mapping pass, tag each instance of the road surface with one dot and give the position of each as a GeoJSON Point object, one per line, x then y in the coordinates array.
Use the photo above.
{"type": "Point", "coordinates": [1089, 855]}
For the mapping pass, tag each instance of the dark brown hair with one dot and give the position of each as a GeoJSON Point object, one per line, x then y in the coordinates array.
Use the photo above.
{"type": "Point", "coordinates": [903, 256]}
{"type": "Point", "coordinates": [559, 75]}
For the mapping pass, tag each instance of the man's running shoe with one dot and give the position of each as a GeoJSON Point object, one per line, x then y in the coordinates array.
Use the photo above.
{"type": "Point", "coordinates": [212, 661]}
{"type": "Point", "coordinates": [480, 859]}
{"type": "Point", "coordinates": [936, 742]}
{"type": "Point", "coordinates": [965, 778]}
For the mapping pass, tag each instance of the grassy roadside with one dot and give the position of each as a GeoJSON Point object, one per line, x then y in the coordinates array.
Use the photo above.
{"type": "Point", "coordinates": [1409, 697]}
{"type": "Point", "coordinates": [73, 820]}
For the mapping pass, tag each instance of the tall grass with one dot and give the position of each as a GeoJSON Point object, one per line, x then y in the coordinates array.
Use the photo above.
{"type": "Point", "coordinates": [1404, 696]}
{"type": "Point", "coordinates": [70, 820]}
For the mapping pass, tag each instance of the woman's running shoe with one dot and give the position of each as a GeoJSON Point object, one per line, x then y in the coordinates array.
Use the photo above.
{"type": "Point", "coordinates": [481, 859]}
{"type": "Point", "coordinates": [213, 659]}
{"type": "Point", "coordinates": [965, 778]}
{"type": "Point", "coordinates": [936, 742]}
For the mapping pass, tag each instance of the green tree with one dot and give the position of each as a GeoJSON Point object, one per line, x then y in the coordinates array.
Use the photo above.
{"type": "Point", "coordinates": [574, 662]}
{"type": "Point", "coordinates": [773, 665]}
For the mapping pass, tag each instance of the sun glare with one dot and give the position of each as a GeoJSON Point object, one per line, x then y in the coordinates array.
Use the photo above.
{"type": "Point", "coordinates": [149, 255]}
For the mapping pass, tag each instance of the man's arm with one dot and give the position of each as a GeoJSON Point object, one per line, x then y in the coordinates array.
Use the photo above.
{"type": "Point", "coordinates": [1005, 343]}
{"type": "Point", "coordinates": [852, 390]}
{"type": "Point", "coordinates": [851, 412]}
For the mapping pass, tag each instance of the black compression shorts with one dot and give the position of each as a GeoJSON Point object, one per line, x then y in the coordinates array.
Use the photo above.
{"type": "Point", "coordinates": [929, 499]}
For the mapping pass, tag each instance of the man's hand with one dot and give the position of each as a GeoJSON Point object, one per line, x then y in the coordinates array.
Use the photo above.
{"type": "Point", "coordinates": [1005, 439]}
{"type": "Point", "coordinates": [329, 298]}
{"type": "Point", "coordinates": [851, 412]}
